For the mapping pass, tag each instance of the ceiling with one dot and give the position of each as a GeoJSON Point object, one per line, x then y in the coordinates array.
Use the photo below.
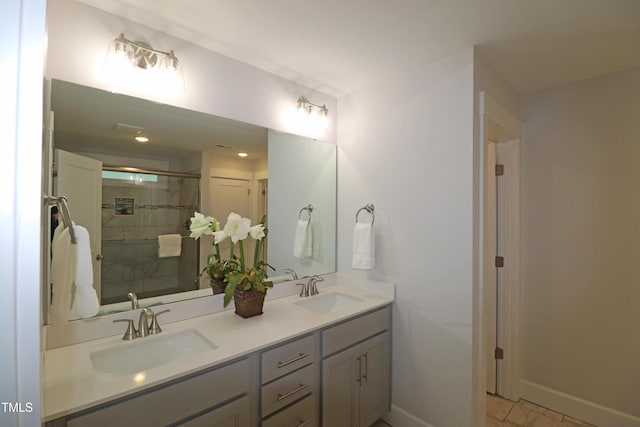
{"type": "Point", "coordinates": [338, 46]}
{"type": "Point", "coordinates": [86, 120]}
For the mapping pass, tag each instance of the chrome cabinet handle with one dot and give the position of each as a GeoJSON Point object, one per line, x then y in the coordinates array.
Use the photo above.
{"type": "Point", "coordinates": [359, 379]}
{"type": "Point", "coordinates": [290, 361]}
{"type": "Point", "coordinates": [292, 392]}
{"type": "Point", "coordinates": [302, 423]}
{"type": "Point", "coordinates": [365, 358]}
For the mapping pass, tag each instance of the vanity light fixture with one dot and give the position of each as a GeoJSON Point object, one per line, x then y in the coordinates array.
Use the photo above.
{"type": "Point", "coordinates": [243, 154]}
{"type": "Point", "coordinates": [137, 62]}
{"type": "Point", "coordinates": [142, 139]}
{"type": "Point", "coordinates": [317, 115]}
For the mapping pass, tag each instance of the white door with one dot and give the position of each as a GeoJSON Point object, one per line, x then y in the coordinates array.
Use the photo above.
{"type": "Point", "coordinates": [508, 276]}
{"type": "Point", "coordinates": [490, 272]}
{"type": "Point", "coordinates": [80, 180]}
{"type": "Point", "coordinates": [230, 195]}
{"type": "Point", "coordinates": [501, 266]}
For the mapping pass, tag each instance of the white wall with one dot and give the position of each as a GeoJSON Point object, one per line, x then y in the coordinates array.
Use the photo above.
{"type": "Point", "coordinates": [581, 207]}
{"type": "Point", "coordinates": [406, 145]}
{"type": "Point", "coordinates": [21, 64]}
{"type": "Point", "coordinates": [78, 36]}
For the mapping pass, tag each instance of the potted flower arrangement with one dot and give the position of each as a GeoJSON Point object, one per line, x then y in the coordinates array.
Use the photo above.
{"type": "Point", "coordinates": [246, 285]}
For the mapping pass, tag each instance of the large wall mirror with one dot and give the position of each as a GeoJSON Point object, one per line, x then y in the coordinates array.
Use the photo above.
{"type": "Point", "coordinates": [128, 192]}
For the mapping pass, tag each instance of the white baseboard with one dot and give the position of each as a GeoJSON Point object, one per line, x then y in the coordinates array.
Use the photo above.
{"type": "Point", "coordinates": [400, 418]}
{"type": "Point", "coordinates": [575, 407]}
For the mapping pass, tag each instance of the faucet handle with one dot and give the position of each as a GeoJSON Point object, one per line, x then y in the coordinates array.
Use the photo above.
{"type": "Point", "coordinates": [304, 291]}
{"type": "Point", "coordinates": [155, 326]}
{"type": "Point", "coordinates": [131, 332]}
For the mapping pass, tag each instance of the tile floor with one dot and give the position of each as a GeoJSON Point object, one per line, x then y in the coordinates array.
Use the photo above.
{"type": "Point", "coordinates": [505, 413]}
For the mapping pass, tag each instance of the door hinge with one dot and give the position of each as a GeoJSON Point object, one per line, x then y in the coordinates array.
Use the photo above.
{"type": "Point", "coordinates": [498, 353]}
{"type": "Point", "coordinates": [499, 261]}
{"type": "Point", "coordinates": [499, 170]}
{"type": "Point", "coordinates": [248, 191]}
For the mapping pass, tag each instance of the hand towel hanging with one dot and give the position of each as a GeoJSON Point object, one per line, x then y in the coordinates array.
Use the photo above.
{"type": "Point", "coordinates": [169, 245]}
{"type": "Point", "coordinates": [363, 246]}
{"type": "Point", "coordinates": [85, 299]}
{"type": "Point", "coordinates": [62, 270]}
{"type": "Point", "coordinates": [303, 240]}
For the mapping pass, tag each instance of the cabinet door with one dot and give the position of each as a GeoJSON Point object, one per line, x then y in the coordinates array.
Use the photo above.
{"type": "Point", "coordinates": [341, 389]}
{"type": "Point", "coordinates": [374, 387]}
{"type": "Point", "coordinates": [234, 414]}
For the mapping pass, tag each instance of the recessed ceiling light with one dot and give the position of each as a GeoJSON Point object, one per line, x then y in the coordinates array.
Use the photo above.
{"type": "Point", "coordinates": [243, 154]}
{"type": "Point", "coordinates": [142, 139]}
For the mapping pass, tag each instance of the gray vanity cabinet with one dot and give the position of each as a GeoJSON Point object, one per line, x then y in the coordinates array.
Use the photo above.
{"type": "Point", "coordinates": [356, 371]}
{"type": "Point", "coordinates": [197, 400]}
{"type": "Point", "coordinates": [289, 386]}
{"type": "Point", "coordinates": [337, 376]}
{"type": "Point", "coordinates": [234, 414]}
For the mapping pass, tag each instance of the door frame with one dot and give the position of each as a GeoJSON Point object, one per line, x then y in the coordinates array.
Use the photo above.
{"type": "Point", "coordinates": [497, 124]}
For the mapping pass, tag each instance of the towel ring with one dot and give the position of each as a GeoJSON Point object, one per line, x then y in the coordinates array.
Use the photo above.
{"type": "Point", "coordinates": [369, 208]}
{"type": "Point", "coordinates": [306, 208]}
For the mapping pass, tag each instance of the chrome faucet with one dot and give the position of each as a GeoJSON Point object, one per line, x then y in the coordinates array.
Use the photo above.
{"type": "Point", "coordinates": [310, 288]}
{"type": "Point", "coordinates": [292, 273]}
{"type": "Point", "coordinates": [147, 325]}
{"type": "Point", "coordinates": [143, 322]}
{"type": "Point", "coordinates": [312, 285]}
{"type": "Point", "coordinates": [134, 300]}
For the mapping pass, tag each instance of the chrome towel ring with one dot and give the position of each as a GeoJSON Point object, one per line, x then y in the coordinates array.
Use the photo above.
{"type": "Point", "coordinates": [306, 208]}
{"type": "Point", "coordinates": [369, 208]}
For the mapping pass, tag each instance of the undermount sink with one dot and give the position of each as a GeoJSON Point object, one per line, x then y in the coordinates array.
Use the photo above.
{"type": "Point", "coordinates": [327, 303]}
{"type": "Point", "coordinates": [150, 352]}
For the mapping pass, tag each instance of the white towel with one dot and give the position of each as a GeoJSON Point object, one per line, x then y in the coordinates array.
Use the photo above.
{"type": "Point", "coordinates": [364, 248]}
{"type": "Point", "coordinates": [169, 245]}
{"type": "Point", "coordinates": [85, 300]}
{"type": "Point", "coordinates": [303, 240]}
{"type": "Point", "coordinates": [61, 277]}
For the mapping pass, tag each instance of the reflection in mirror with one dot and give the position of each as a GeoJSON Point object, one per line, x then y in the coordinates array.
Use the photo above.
{"type": "Point", "coordinates": [128, 193]}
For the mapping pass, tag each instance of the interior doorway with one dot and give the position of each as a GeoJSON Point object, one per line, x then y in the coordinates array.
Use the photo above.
{"type": "Point", "coordinates": [501, 134]}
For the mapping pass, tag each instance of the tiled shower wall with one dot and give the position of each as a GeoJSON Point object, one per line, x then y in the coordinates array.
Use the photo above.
{"type": "Point", "coordinates": [130, 245]}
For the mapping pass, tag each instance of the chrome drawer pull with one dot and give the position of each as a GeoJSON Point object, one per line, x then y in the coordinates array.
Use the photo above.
{"type": "Point", "coordinates": [302, 423]}
{"type": "Point", "coordinates": [290, 361]}
{"type": "Point", "coordinates": [365, 358]}
{"type": "Point", "coordinates": [292, 392]}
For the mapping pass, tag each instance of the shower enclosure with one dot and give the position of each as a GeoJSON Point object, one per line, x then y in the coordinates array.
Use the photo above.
{"type": "Point", "coordinates": [138, 206]}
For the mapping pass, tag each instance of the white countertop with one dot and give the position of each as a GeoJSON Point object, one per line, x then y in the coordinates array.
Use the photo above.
{"type": "Point", "coordinates": [71, 384]}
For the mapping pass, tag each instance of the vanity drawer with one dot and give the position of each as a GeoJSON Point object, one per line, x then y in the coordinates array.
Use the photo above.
{"type": "Point", "coordinates": [353, 331]}
{"type": "Point", "coordinates": [171, 403]}
{"type": "Point", "coordinates": [287, 390]}
{"type": "Point", "coordinates": [288, 357]}
{"type": "Point", "coordinates": [302, 413]}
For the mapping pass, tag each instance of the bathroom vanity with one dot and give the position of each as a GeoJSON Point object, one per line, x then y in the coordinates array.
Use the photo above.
{"type": "Point", "coordinates": [305, 361]}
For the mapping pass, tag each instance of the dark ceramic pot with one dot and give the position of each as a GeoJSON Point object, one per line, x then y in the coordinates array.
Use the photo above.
{"type": "Point", "coordinates": [248, 303]}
